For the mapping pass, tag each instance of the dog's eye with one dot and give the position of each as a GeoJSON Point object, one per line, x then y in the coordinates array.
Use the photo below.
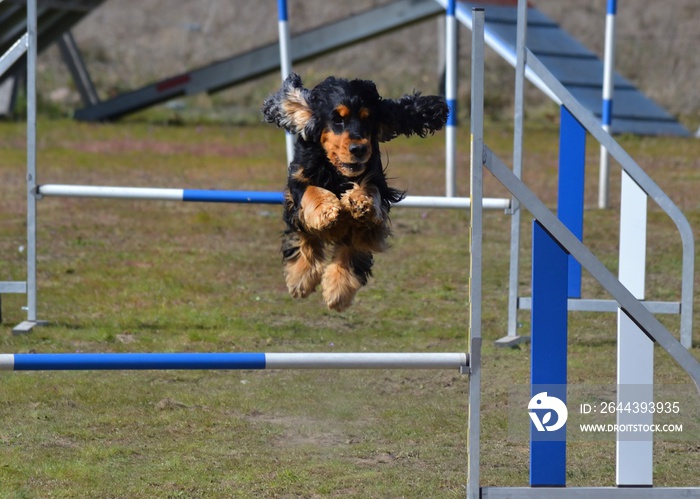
{"type": "Point", "coordinates": [337, 120]}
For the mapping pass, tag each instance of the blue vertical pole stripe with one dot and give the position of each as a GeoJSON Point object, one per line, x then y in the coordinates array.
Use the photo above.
{"type": "Point", "coordinates": [282, 10]}
{"type": "Point", "coordinates": [548, 354]}
{"type": "Point", "coordinates": [451, 7]}
{"type": "Point", "coordinates": [572, 170]}
{"type": "Point", "coordinates": [137, 361]}
{"type": "Point", "coordinates": [607, 111]}
{"type": "Point", "coordinates": [452, 117]}
{"type": "Point", "coordinates": [214, 196]}
{"type": "Point", "coordinates": [612, 7]}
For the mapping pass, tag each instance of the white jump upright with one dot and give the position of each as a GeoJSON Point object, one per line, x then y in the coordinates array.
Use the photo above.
{"type": "Point", "coordinates": [285, 62]}
{"type": "Point", "coordinates": [608, 90]}
{"type": "Point", "coordinates": [635, 351]}
{"type": "Point", "coordinates": [451, 97]}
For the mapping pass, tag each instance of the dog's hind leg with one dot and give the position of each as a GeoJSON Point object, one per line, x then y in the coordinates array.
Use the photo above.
{"type": "Point", "coordinates": [347, 272]}
{"type": "Point", "coordinates": [303, 257]}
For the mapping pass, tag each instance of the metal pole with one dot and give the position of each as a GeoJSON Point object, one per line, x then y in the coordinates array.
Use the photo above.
{"type": "Point", "coordinates": [285, 62]}
{"type": "Point", "coordinates": [451, 97]}
{"type": "Point", "coordinates": [31, 159]}
{"type": "Point", "coordinates": [512, 338]}
{"type": "Point", "coordinates": [476, 188]}
{"type": "Point", "coordinates": [608, 89]}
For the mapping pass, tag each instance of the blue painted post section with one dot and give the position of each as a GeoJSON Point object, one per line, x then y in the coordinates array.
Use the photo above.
{"type": "Point", "coordinates": [214, 196]}
{"type": "Point", "coordinates": [572, 169]}
{"type": "Point", "coordinates": [548, 358]}
{"type": "Point", "coordinates": [282, 10]}
{"type": "Point", "coordinates": [137, 361]}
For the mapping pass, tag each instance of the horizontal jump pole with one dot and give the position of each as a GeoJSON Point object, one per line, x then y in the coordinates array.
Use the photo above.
{"type": "Point", "coordinates": [232, 361]}
{"type": "Point", "coordinates": [222, 196]}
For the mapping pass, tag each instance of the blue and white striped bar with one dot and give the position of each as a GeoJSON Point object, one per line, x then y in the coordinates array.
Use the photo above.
{"type": "Point", "coordinates": [159, 194]}
{"type": "Point", "coordinates": [228, 361]}
{"type": "Point", "coordinates": [252, 197]}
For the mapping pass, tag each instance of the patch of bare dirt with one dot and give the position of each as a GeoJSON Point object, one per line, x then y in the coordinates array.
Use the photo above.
{"type": "Point", "coordinates": [300, 430]}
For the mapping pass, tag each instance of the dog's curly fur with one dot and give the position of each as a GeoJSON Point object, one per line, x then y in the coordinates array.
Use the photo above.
{"type": "Point", "coordinates": [337, 200]}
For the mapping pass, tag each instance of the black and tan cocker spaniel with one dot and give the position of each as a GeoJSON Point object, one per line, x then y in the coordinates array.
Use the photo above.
{"type": "Point", "coordinates": [337, 200]}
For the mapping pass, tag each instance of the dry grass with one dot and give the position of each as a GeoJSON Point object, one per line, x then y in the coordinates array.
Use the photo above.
{"type": "Point", "coordinates": [157, 276]}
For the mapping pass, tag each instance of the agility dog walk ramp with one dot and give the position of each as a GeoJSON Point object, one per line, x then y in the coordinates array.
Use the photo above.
{"type": "Point", "coordinates": [578, 68]}
{"type": "Point", "coordinates": [53, 20]}
{"type": "Point", "coordinates": [266, 59]}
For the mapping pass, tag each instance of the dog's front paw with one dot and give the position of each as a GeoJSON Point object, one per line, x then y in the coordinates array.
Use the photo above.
{"type": "Point", "coordinates": [324, 216]}
{"type": "Point", "coordinates": [363, 204]}
{"type": "Point", "coordinates": [320, 209]}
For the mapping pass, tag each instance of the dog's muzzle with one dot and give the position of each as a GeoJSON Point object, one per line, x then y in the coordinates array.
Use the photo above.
{"type": "Point", "coordinates": [358, 150]}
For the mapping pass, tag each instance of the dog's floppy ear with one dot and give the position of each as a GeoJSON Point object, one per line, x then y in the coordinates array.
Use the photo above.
{"type": "Point", "coordinates": [289, 107]}
{"type": "Point", "coordinates": [411, 114]}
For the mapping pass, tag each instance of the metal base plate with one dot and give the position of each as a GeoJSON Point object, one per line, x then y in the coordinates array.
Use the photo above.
{"type": "Point", "coordinates": [511, 341]}
{"type": "Point", "coordinates": [26, 327]}
{"type": "Point", "coordinates": [598, 492]}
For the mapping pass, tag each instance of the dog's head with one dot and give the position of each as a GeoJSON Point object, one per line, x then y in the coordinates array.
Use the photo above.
{"type": "Point", "coordinates": [348, 118]}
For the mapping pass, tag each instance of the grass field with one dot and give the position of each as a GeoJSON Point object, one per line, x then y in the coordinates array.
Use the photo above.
{"type": "Point", "coordinates": [139, 276]}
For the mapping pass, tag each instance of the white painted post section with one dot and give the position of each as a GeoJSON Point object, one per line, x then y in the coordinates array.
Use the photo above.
{"type": "Point", "coordinates": [285, 62]}
{"type": "Point", "coordinates": [635, 351]}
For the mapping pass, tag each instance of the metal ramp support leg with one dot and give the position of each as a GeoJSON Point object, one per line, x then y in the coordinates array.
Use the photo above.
{"type": "Point", "coordinates": [74, 61]}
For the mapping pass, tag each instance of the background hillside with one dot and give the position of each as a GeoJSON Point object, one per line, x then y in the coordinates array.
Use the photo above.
{"type": "Point", "coordinates": [129, 43]}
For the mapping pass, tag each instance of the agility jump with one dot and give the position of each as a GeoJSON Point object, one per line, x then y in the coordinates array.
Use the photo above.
{"type": "Point", "coordinates": [548, 479]}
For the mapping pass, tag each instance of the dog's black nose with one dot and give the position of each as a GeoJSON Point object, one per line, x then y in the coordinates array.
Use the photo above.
{"type": "Point", "coordinates": [358, 150]}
